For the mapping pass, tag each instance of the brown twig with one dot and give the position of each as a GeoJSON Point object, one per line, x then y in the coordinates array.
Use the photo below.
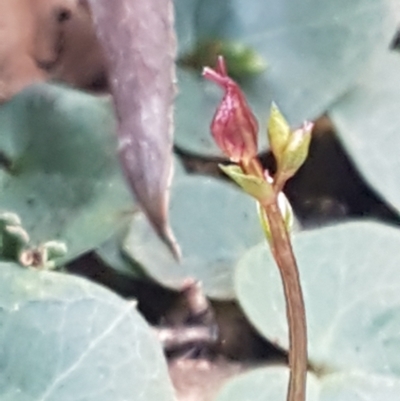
{"type": "Point", "coordinates": [199, 327]}
{"type": "Point", "coordinates": [173, 338]}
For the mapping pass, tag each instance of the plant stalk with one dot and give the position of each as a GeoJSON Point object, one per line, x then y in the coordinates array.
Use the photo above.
{"type": "Point", "coordinates": [295, 310]}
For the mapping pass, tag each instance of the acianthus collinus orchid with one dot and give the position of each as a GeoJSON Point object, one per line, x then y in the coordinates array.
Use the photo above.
{"type": "Point", "coordinates": [235, 130]}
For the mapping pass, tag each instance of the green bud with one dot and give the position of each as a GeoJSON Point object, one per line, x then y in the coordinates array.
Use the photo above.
{"type": "Point", "coordinates": [296, 151]}
{"type": "Point", "coordinates": [241, 59]}
{"type": "Point", "coordinates": [278, 132]}
{"type": "Point", "coordinates": [256, 187]}
{"type": "Point", "coordinates": [18, 234]}
{"type": "Point", "coordinates": [9, 219]}
{"type": "Point", "coordinates": [15, 240]}
{"type": "Point", "coordinates": [54, 249]}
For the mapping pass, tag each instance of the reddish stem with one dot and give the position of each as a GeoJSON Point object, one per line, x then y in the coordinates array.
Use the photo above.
{"type": "Point", "coordinates": [295, 310]}
{"type": "Point", "coordinates": [283, 253]}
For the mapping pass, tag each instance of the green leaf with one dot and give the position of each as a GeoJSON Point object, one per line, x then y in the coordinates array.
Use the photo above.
{"type": "Point", "coordinates": [256, 187]}
{"type": "Point", "coordinates": [351, 283]}
{"type": "Point", "coordinates": [185, 26]}
{"type": "Point", "coordinates": [111, 251]}
{"type": "Point", "coordinates": [270, 384]}
{"type": "Point", "coordinates": [368, 122]}
{"type": "Point", "coordinates": [264, 384]}
{"type": "Point", "coordinates": [64, 338]}
{"type": "Point", "coordinates": [214, 224]}
{"type": "Point", "coordinates": [61, 174]}
{"type": "Point", "coordinates": [179, 168]}
{"type": "Point", "coordinates": [315, 51]}
{"type": "Point", "coordinates": [359, 387]}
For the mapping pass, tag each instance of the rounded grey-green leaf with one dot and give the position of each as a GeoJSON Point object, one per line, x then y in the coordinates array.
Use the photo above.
{"type": "Point", "coordinates": [264, 384]}
{"type": "Point", "coordinates": [357, 386]}
{"type": "Point", "coordinates": [315, 52]}
{"type": "Point", "coordinates": [214, 223]}
{"type": "Point", "coordinates": [64, 338]}
{"type": "Point", "coordinates": [62, 175]}
{"type": "Point", "coordinates": [270, 383]}
{"type": "Point", "coordinates": [185, 27]}
{"type": "Point", "coordinates": [111, 251]}
{"type": "Point", "coordinates": [368, 123]}
{"type": "Point", "coordinates": [179, 168]}
{"type": "Point", "coordinates": [351, 284]}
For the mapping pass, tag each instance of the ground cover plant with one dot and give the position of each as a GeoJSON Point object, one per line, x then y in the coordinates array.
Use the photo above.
{"type": "Point", "coordinates": [132, 268]}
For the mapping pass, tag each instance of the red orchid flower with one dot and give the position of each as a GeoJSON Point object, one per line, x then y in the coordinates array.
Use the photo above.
{"type": "Point", "coordinates": [234, 126]}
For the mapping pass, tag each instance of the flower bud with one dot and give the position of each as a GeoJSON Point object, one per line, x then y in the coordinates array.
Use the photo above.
{"type": "Point", "coordinates": [234, 126]}
{"type": "Point", "coordinates": [278, 132]}
{"type": "Point", "coordinates": [55, 249]}
{"type": "Point", "coordinates": [243, 61]}
{"type": "Point", "coordinates": [296, 150]}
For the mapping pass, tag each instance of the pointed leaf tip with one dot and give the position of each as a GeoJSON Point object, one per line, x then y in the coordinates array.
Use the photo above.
{"type": "Point", "coordinates": [142, 71]}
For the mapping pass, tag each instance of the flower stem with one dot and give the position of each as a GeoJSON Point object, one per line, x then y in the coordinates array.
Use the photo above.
{"type": "Point", "coordinates": [295, 310]}
{"type": "Point", "coordinates": [282, 251]}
